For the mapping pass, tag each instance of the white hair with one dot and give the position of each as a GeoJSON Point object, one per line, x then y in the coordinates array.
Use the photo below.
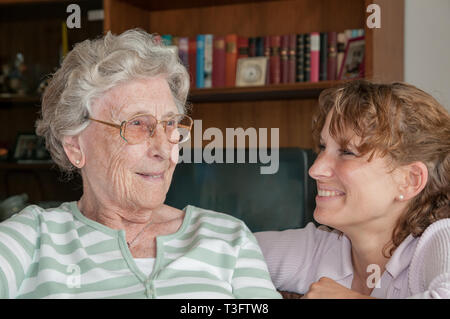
{"type": "Point", "coordinates": [94, 67]}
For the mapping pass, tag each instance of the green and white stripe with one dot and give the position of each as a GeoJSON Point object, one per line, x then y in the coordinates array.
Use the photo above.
{"type": "Point", "coordinates": [59, 253]}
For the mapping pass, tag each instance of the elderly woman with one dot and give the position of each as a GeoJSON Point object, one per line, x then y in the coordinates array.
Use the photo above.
{"type": "Point", "coordinates": [114, 112]}
{"type": "Point", "coordinates": [383, 181]}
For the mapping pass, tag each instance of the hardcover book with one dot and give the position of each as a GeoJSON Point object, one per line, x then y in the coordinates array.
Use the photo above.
{"type": "Point", "coordinates": [323, 60]}
{"type": "Point", "coordinates": [275, 42]}
{"type": "Point", "coordinates": [218, 70]}
{"type": "Point", "coordinates": [242, 45]}
{"type": "Point", "coordinates": [192, 61]}
{"type": "Point", "coordinates": [284, 63]}
{"type": "Point", "coordinates": [300, 61]}
{"type": "Point", "coordinates": [200, 68]}
{"type": "Point", "coordinates": [307, 57]}
{"type": "Point", "coordinates": [332, 56]}
{"type": "Point", "coordinates": [292, 55]}
{"type": "Point", "coordinates": [315, 58]}
{"type": "Point", "coordinates": [208, 60]}
{"type": "Point", "coordinates": [231, 59]}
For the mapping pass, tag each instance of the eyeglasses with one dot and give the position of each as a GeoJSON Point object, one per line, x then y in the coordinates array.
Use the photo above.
{"type": "Point", "coordinates": [137, 129]}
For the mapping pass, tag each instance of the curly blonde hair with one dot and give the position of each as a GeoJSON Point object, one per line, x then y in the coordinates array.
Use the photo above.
{"type": "Point", "coordinates": [404, 123]}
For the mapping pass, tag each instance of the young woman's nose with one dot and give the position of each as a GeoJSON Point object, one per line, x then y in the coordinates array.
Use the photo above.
{"type": "Point", "coordinates": [322, 166]}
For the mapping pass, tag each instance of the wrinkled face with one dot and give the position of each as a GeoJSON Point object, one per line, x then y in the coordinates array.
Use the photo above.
{"type": "Point", "coordinates": [134, 176]}
{"type": "Point", "coordinates": [351, 190]}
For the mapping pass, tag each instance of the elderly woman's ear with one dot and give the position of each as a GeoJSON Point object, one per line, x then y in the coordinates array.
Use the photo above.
{"type": "Point", "coordinates": [414, 177]}
{"type": "Point", "coordinates": [74, 151]}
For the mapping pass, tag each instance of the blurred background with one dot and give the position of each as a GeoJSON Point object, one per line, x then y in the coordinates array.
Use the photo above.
{"type": "Point", "coordinates": [412, 45]}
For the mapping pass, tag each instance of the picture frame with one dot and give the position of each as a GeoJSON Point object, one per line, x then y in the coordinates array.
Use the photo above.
{"type": "Point", "coordinates": [30, 148]}
{"type": "Point", "coordinates": [354, 59]}
{"type": "Point", "coordinates": [251, 71]}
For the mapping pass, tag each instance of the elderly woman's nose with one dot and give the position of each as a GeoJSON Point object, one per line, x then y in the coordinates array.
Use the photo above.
{"type": "Point", "coordinates": [159, 144]}
{"type": "Point", "coordinates": [322, 166]}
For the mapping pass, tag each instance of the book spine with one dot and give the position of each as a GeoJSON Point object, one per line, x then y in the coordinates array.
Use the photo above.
{"type": "Point", "coordinates": [323, 56]}
{"type": "Point", "coordinates": [267, 45]}
{"type": "Point", "coordinates": [166, 39]}
{"type": "Point", "coordinates": [218, 69]}
{"type": "Point", "coordinates": [315, 59]}
{"type": "Point", "coordinates": [275, 59]}
{"type": "Point", "coordinates": [332, 56]}
{"type": "Point", "coordinates": [307, 57]}
{"type": "Point", "coordinates": [200, 69]}
{"type": "Point", "coordinates": [340, 52]}
{"type": "Point", "coordinates": [300, 59]}
{"type": "Point", "coordinates": [284, 62]}
{"type": "Point", "coordinates": [292, 54]}
{"type": "Point", "coordinates": [231, 59]}
{"type": "Point", "coordinates": [208, 60]}
{"type": "Point", "coordinates": [252, 46]}
{"type": "Point", "coordinates": [192, 61]}
{"type": "Point", "coordinates": [242, 45]}
{"type": "Point", "coordinates": [259, 50]}
{"type": "Point", "coordinates": [183, 50]}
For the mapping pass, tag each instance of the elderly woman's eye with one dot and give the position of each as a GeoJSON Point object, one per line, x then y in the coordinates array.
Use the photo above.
{"type": "Point", "coordinates": [136, 122]}
{"type": "Point", "coordinates": [171, 123]}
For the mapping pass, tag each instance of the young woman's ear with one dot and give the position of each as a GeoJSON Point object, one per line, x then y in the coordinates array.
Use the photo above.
{"type": "Point", "coordinates": [415, 177]}
{"type": "Point", "coordinates": [73, 150]}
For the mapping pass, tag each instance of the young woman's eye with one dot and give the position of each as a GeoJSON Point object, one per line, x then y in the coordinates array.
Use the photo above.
{"type": "Point", "coordinates": [347, 152]}
{"type": "Point", "coordinates": [321, 147]}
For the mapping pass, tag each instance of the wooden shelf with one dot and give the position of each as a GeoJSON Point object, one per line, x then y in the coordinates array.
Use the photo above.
{"type": "Point", "coordinates": [183, 4]}
{"type": "Point", "coordinates": [12, 166]}
{"type": "Point", "coordinates": [303, 90]}
{"type": "Point", "coordinates": [15, 98]}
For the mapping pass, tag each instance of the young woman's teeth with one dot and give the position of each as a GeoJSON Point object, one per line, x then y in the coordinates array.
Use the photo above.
{"type": "Point", "coordinates": [328, 193]}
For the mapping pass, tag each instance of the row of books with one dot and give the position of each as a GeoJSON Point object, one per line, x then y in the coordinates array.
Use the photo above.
{"type": "Point", "coordinates": [306, 57]}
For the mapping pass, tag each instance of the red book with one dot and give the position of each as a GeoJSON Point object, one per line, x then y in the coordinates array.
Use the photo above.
{"type": "Point", "coordinates": [284, 64]}
{"type": "Point", "coordinates": [242, 47]}
{"type": "Point", "coordinates": [266, 45]}
{"type": "Point", "coordinates": [230, 59]}
{"type": "Point", "coordinates": [275, 42]}
{"type": "Point", "coordinates": [332, 56]}
{"type": "Point", "coordinates": [292, 55]}
{"type": "Point", "coordinates": [315, 56]}
{"type": "Point", "coordinates": [218, 70]}
{"type": "Point", "coordinates": [192, 59]}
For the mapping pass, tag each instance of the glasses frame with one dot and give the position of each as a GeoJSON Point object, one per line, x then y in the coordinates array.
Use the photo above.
{"type": "Point", "coordinates": [122, 125]}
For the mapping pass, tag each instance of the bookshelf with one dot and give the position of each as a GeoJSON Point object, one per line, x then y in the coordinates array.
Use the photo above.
{"type": "Point", "coordinates": [34, 26]}
{"type": "Point", "coordinates": [286, 106]}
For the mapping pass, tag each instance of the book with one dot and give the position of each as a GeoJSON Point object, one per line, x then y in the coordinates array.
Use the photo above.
{"type": "Point", "coordinates": [275, 42]}
{"type": "Point", "coordinates": [166, 39]}
{"type": "Point", "coordinates": [200, 67]}
{"type": "Point", "coordinates": [340, 51]}
{"type": "Point", "coordinates": [183, 50]}
{"type": "Point", "coordinates": [259, 46]}
{"type": "Point", "coordinates": [284, 63]}
{"type": "Point", "coordinates": [300, 58]}
{"type": "Point", "coordinates": [218, 70]}
{"type": "Point", "coordinates": [208, 66]}
{"type": "Point", "coordinates": [252, 46]}
{"type": "Point", "coordinates": [315, 59]}
{"type": "Point", "coordinates": [292, 55]}
{"type": "Point", "coordinates": [242, 47]}
{"type": "Point", "coordinates": [230, 59]}
{"type": "Point", "coordinates": [267, 54]}
{"type": "Point", "coordinates": [332, 56]}
{"type": "Point", "coordinates": [307, 57]}
{"type": "Point", "coordinates": [192, 60]}
{"type": "Point", "coordinates": [323, 56]}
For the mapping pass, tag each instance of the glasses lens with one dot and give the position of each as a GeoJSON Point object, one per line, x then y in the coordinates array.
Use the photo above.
{"type": "Point", "coordinates": [178, 128]}
{"type": "Point", "coordinates": [139, 128]}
